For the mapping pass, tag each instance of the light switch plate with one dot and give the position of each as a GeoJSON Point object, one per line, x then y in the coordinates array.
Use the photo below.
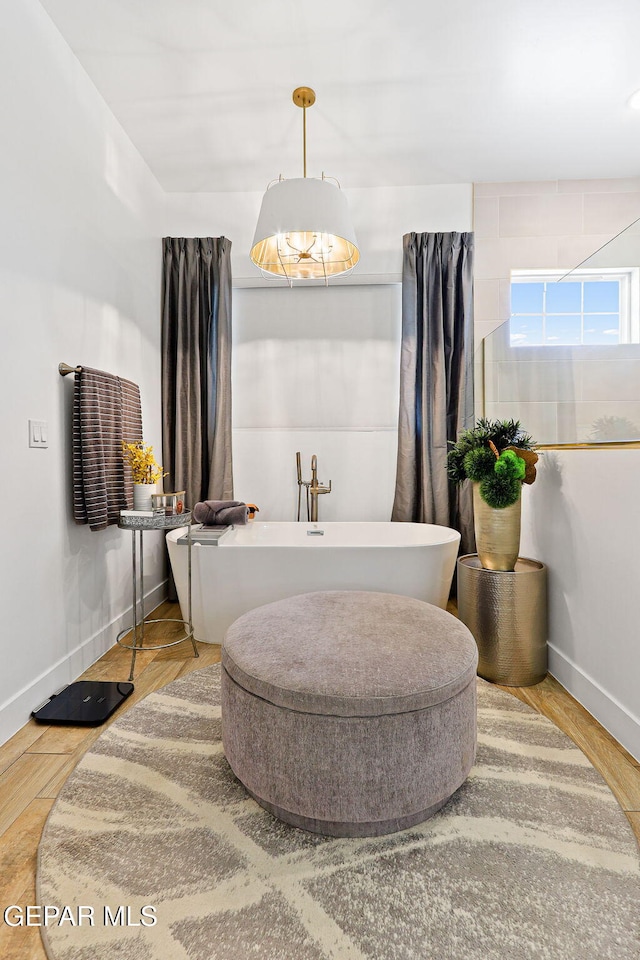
{"type": "Point", "coordinates": [38, 433]}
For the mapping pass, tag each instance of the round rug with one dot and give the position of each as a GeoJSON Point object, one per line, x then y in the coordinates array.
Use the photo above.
{"type": "Point", "coordinates": [171, 860]}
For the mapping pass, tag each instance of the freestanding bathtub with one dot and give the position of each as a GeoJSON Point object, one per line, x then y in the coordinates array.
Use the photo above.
{"type": "Point", "coordinates": [261, 562]}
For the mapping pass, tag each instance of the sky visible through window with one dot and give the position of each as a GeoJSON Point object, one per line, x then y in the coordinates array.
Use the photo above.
{"type": "Point", "coordinates": [546, 312]}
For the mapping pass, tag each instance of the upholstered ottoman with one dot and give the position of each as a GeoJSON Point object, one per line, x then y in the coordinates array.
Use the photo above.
{"type": "Point", "coordinates": [349, 713]}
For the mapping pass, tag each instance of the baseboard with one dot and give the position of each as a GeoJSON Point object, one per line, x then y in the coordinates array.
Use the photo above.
{"type": "Point", "coordinates": [14, 713]}
{"type": "Point", "coordinates": [614, 717]}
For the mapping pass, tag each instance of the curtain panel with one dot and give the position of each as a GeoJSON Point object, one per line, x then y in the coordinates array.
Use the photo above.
{"type": "Point", "coordinates": [196, 368]}
{"type": "Point", "coordinates": [436, 379]}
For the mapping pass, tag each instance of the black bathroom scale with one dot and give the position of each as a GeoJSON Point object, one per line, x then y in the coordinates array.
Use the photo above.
{"type": "Point", "coordinates": [85, 703]}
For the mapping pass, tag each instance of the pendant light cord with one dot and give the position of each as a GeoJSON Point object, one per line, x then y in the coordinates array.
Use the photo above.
{"type": "Point", "coordinates": [304, 141]}
{"type": "Point", "coordinates": [304, 97]}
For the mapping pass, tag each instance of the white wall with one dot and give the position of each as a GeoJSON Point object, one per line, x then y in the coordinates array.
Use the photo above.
{"type": "Point", "coordinates": [582, 515]}
{"type": "Point", "coordinates": [317, 371]}
{"type": "Point", "coordinates": [582, 518]}
{"type": "Point", "coordinates": [315, 368]}
{"type": "Point", "coordinates": [79, 283]}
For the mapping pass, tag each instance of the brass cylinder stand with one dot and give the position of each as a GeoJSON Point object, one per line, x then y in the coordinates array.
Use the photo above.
{"type": "Point", "coordinates": [506, 611]}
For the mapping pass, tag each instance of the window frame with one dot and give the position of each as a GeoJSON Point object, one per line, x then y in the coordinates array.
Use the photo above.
{"type": "Point", "coordinates": [629, 312]}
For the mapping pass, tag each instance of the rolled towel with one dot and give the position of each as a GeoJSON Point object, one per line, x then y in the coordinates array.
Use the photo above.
{"type": "Point", "coordinates": [220, 512]}
{"type": "Point", "coordinates": [238, 514]}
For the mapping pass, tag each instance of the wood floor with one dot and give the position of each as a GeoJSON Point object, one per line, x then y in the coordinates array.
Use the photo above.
{"type": "Point", "coordinates": [37, 760]}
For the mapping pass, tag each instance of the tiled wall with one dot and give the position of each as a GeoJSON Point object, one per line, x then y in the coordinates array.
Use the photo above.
{"type": "Point", "coordinates": [558, 396]}
{"type": "Point", "coordinates": [317, 370]}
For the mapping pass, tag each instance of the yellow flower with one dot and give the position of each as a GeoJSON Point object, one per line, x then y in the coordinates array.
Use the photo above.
{"type": "Point", "coordinates": [144, 468]}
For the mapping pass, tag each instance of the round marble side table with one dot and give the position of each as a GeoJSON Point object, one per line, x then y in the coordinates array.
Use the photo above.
{"type": "Point", "coordinates": [506, 611]}
{"type": "Point", "coordinates": [139, 525]}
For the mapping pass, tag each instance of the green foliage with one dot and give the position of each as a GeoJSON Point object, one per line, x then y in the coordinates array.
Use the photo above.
{"type": "Point", "coordinates": [479, 463]}
{"type": "Point", "coordinates": [500, 490]}
{"type": "Point", "coordinates": [500, 477]}
{"type": "Point", "coordinates": [509, 465]}
{"type": "Point", "coordinates": [502, 433]}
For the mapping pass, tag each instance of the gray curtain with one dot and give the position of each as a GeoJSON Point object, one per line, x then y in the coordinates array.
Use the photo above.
{"type": "Point", "coordinates": [196, 368]}
{"type": "Point", "coordinates": [436, 379]}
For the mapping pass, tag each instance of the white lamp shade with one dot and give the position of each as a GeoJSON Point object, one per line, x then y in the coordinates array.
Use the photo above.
{"type": "Point", "coordinates": [304, 231]}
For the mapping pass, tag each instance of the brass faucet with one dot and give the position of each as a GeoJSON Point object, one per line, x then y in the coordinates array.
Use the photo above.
{"type": "Point", "coordinates": [314, 489]}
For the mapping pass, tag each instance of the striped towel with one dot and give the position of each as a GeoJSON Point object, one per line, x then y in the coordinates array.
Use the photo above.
{"type": "Point", "coordinates": [106, 411]}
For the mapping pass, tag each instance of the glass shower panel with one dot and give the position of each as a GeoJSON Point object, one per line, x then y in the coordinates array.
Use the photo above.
{"type": "Point", "coordinates": [567, 364]}
{"type": "Point", "coordinates": [564, 394]}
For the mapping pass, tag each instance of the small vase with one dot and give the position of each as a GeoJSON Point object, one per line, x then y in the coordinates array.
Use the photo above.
{"type": "Point", "coordinates": [142, 495]}
{"type": "Point", "coordinates": [497, 532]}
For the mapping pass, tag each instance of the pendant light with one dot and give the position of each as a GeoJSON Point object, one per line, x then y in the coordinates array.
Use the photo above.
{"type": "Point", "coordinates": [304, 231]}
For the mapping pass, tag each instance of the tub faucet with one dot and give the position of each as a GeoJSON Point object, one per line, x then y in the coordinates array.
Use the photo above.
{"type": "Point", "coordinates": [313, 488]}
{"type": "Point", "coordinates": [316, 489]}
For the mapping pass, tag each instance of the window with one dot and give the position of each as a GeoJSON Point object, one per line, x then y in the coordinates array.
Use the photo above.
{"type": "Point", "coordinates": [589, 307]}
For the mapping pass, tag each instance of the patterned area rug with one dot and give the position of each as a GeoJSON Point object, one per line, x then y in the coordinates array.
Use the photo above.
{"type": "Point", "coordinates": [531, 858]}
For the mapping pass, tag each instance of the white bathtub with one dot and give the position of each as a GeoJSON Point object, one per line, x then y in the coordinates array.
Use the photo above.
{"type": "Point", "coordinates": [262, 562]}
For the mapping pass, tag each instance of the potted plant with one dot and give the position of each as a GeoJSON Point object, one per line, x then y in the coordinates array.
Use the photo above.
{"type": "Point", "coordinates": [145, 473]}
{"type": "Point", "coordinates": [498, 457]}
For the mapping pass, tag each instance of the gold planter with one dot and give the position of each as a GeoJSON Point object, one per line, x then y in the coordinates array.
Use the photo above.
{"type": "Point", "coordinates": [497, 532]}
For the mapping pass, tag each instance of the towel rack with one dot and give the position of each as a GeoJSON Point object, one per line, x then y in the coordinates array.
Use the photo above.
{"type": "Point", "coordinates": [64, 369]}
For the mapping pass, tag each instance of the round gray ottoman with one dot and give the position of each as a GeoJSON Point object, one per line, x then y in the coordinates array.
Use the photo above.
{"type": "Point", "coordinates": [349, 713]}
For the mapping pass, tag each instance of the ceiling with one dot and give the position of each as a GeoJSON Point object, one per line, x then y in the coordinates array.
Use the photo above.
{"type": "Point", "coordinates": [409, 92]}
